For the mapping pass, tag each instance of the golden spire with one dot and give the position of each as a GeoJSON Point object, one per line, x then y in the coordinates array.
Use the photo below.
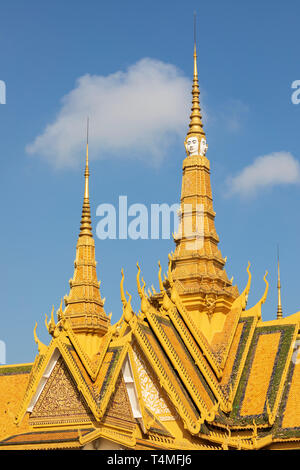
{"type": "Point", "coordinates": [197, 265]}
{"type": "Point", "coordinates": [195, 126]}
{"type": "Point", "coordinates": [84, 305]}
{"type": "Point", "coordinates": [279, 306]}
{"type": "Point", "coordinates": [86, 225]}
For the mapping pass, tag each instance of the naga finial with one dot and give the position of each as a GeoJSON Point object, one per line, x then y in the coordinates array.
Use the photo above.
{"type": "Point", "coordinates": [243, 298]}
{"type": "Point", "coordinates": [247, 289]}
{"type": "Point", "coordinates": [123, 298]}
{"type": "Point", "coordinates": [141, 291]}
{"type": "Point", "coordinates": [60, 312]}
{"type": "Point", "coordinates": [170, 276]}
{"type": "Point", "coordinates": [41, 346]}
{"type": "Point", "coordinates": [51, 324]}
{"type": "Point", "coordinates": [46, 321]}
{"type": "Point", "coordinates": [161, 286]}
{"type": "Point", "coordinates": [264, 297]}
{"type": "Point", "coordinates": [52, 317]}
{"type": "Point", "coordinates": [61, 316]}
{"type": "Point", "coordinates": [139, 288]}
{"type": "Point", "coordinates": [127, 311]}
{"type": "Point", "coordinates": [256, 309]}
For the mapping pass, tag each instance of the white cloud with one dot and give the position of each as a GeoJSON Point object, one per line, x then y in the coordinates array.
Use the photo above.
{"type": "Point", "coordinates": [133, 114]}
{"type": "Point", "coordinates": [266, 171]}
{"type": "Point", "coordinates": [231, 115]}
{"type": "Point", "coordinates": [236, 115]}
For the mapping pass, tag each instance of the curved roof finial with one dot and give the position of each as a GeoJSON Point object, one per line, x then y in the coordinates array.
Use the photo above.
{"type": "Point", "coordinates": [264, 297]}
{"type": "Point", "coordinates": [123, 298]}
{"type": "Point", "coordinates": [161, 286]}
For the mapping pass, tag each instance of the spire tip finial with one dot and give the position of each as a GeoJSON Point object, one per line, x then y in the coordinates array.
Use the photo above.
{"type": "Point", "coordinates": [195, 126]}
{"type": "Point", "coordinates": [86, 228]}
{"type": "Point", "coordinates": [195, 16]}
{"type": "Point", "coordinates": [87, 173]}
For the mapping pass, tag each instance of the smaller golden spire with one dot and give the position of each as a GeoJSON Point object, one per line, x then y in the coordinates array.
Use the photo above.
{"type": "Point", "coordinates": [84, 305]}
{"type": "Point", "coordinates": [86, 224]}
{"type": "Point", "coordinates": [279, 306]}
{"type": "Point", "coordinates": [195, 126]}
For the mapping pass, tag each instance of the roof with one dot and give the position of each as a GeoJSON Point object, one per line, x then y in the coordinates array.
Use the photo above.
{"type": "Point", "coordinates": [13, 382]}
{"type": "Point", "coordinates": [62, 439]}
{"type": "Point", "coordinates": [179, 377]}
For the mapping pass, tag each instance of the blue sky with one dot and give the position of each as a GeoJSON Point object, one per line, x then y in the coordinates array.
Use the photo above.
{"type": "Point", "coordinates": [247, 61]}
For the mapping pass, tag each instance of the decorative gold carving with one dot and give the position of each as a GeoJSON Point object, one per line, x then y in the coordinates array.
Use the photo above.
{"type": "Point", "coordinates": [151, 392]}
{"type": "Point", "coordinates": [119, 410]}
{"type": "Point", "coordinates": [210, 301]}
{"type": "Point", "coordinates": [60, 401]}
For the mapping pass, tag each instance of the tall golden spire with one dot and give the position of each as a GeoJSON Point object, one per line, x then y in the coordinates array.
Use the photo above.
{"type": "Point", "coordinates": [279, 306]}
{"type": "Point", "coordinates": [195, 126]}
{"type": "Point", "coordinates": [84, 305]}
{"type": "Point", "coordinates": [197, 263]}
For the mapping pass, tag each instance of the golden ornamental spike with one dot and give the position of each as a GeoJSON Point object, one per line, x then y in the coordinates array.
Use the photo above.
{"type": "Point", "coordinates": [279, 306]}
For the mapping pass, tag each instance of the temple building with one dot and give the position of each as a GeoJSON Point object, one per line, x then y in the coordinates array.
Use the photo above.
{"type": "Point", "coordinates": [195, 368]}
